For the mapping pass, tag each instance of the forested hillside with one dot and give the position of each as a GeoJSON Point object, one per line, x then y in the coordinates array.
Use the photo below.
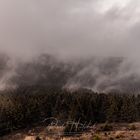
{"type": "Point", "coordinates": [26, 106]}
{"type": "Point", "coordinates": [88, 90]}
{"type": "Point", "coordinates": [99, 74]}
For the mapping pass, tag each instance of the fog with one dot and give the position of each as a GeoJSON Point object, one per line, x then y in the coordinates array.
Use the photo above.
{"type": "Point", "coordinates": [75, 30]}
{"type": "Point", "coordinates": [70, 28]}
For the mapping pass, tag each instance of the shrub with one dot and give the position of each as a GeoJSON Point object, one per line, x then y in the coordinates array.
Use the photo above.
{"type": "Point", "coordinates": [96, 138]}
{"type": "Point", "coordinates": [132, 127]}
{"type": "Point", "coordinates": [38, 138]}
{"type": "Point", "coordinates": [106, 127]}
{"type": "Point", "coordinates": [119, 136]}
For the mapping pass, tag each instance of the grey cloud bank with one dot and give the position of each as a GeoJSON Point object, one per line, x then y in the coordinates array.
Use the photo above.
{"type": "Point", "coordinates": [73, 29]}
{"type": "Point", "coordinates": [69, 27]}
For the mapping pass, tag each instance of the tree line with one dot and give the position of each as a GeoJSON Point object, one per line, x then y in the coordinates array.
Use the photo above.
{"type": "Point", "coordinates": [25, 106]}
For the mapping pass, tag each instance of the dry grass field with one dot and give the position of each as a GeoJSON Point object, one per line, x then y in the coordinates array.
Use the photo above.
{"type": "Point", "coordinates": [118, 132]}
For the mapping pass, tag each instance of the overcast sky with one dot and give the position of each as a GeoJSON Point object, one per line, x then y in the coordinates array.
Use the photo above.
{"type": "Point", "coordinates": [70, 27]}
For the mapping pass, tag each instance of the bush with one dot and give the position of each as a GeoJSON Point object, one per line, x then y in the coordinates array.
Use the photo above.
{"type": "Point", "coordinates": [106, 127]}
{"type": "Point", "coordinates": [96, 138]}
{"type": "Point", "coordinates": [38, 138]}
{"type": "Point", "coordinates": [119, 136]}
{"type": "Point", "coordinates": [132, 127]}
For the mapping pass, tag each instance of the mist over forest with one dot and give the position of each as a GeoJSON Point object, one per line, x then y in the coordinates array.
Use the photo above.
{"type": "Point", "coordinates": [70, 60]}
{"type": "Point", "coordinates": [105, 74]}
{"type": "Point", "coordinates": [70, 44]}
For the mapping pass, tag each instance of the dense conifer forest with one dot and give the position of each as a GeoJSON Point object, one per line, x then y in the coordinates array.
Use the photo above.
{"type": "Point", "coordinates": [25, 106]}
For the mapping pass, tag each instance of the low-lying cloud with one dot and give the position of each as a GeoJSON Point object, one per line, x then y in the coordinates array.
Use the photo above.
{"type": "Point", "coordinates": [74, 30]}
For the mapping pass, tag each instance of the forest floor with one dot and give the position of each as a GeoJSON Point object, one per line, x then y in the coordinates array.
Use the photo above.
{"type": "Point", "coordinates": [120, 131]}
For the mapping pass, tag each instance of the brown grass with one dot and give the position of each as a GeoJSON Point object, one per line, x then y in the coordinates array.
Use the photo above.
{"type": "Point", "coordinates": [121, 132]}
